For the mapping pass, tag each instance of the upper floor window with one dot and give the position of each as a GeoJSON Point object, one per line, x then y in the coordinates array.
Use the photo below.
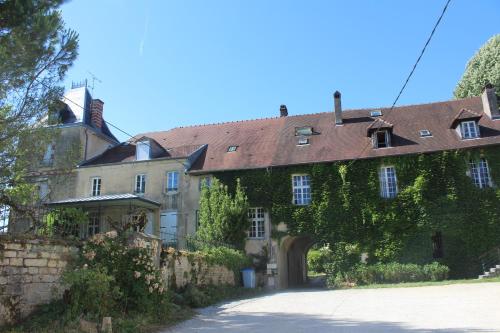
{"type": "Point", "coordinates": [172, 181]}
{"type": "Point", "coordinates": [142, 150]}
{"type": "Point", "coordinates": [381, 139]}
{"type": "Point", "coordinates": [96, 186]}
{"type": "Point", "coordinates": [388, 182]}
{"type": "Point", "coordinates": [231, 149]}
{"type": "Point", "coordinates": [469, 129]}
{"type": "Point", "coordinates": [257, 228]}
{"type": "Point", "coordinates": [140, 184]}
{"type": "Point", "coordinates": [48, 156]}
{"type": "Point", "coordinates": [205, 181]}
{"type": "Point", "coordinates": [301, 189]}
{"type": "Point", "coordinates": [43, 190]}
{"type": "Point", "coordinates": [480, 173]}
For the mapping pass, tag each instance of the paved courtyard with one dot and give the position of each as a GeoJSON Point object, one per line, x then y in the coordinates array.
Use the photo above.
{"type": "Point", "coordinates": [451, 309]}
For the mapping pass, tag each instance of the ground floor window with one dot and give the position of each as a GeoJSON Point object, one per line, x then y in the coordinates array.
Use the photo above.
{"type": "Point", "coordinates": [256, 217]}
{"type": "Point", "coordinates": [93, 226]}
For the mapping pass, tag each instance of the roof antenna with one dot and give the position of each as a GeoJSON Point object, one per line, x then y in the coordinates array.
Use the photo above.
{"type": "Point", "coordinates": [94, 79]}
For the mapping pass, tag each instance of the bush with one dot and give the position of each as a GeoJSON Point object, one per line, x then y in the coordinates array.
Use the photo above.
{"type": "Point", "coordinates": [344, 256]}
{"type": "Point", "coordinates": [394, 272]}
{"type": "Point", "coordinates": [232, 259]}
{"type": "Point", "coordinates": [317, 259]}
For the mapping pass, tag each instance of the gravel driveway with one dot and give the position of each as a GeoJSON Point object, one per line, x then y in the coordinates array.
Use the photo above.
{"type": "Point", "coordinates": [451, 309]}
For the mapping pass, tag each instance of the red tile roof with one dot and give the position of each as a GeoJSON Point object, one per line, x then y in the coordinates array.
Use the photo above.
{"type": "Point", "coordinates": [272, 142]}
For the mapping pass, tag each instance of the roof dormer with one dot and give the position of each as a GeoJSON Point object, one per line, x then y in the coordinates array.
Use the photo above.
{"type": "Point", "coordinates": [466, 123]}
{"type": "Point", "coordinates": [380, 132]}
{"type": "Point", "coordinates": [147, 148]}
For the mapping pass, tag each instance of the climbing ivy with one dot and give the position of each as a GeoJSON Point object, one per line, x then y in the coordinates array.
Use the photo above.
{"type": "Point", "coordinates": [435, 194]}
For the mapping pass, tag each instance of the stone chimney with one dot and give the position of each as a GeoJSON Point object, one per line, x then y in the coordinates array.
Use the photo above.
{"type": "Point", "coordinates": [338, 108]}
{"type": "Point", "coordinates": [96, 109]}
{"type": "Point", "coordinates": [283, 110]}
{"type": "Point", "coordinates": [490, 102]}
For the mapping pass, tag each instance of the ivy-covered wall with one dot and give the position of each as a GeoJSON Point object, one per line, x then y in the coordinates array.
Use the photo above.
{"type": "Point", "coordinates": [435, 194]}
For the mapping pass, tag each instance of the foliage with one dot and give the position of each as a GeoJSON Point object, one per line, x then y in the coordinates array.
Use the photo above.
{"type": "Point", "coordinates": [362, 274]}
{"type": "Point", "coordinates": [135, 282]}
{"type": "Point", "coordinates": [36, 50]}
{"type": "Point", "coordinates": [63, 222]}
{"type": "Point", "coordinates": [223, 217]}
{"type": "Point", "coordinates": [317, 259]}
{"type": "Point", "coordinates": [230, 258]}
{"type": "Point", "coordinates": [435, 194]}
{"type": "Point", "coordinates": [198, 297]}
{"type": "Point", "coordinates": [483, 68]}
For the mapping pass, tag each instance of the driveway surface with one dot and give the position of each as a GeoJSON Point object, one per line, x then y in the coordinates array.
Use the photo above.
{"type": "Point", "coordinates": [452, 309]}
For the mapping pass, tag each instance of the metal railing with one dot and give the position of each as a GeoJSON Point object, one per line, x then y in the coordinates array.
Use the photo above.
{"type": "Point", "coordinates": [490, 259]}
{"type": "Point", "coordinates": [189, 243]}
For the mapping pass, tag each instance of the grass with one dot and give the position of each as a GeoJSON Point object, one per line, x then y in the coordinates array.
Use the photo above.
{"type": "Point", "coordinates": [313, 274]}
{"type": "Point", "coordinates": [426, 283]}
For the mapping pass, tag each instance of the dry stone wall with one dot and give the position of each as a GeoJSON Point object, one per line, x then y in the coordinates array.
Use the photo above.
{"type": "Point", "coordinates": [30, 271]}
{"type": "Point", "coordinates": [181, 268]}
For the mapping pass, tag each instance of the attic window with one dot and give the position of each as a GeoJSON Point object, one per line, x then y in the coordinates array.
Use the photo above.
{"type": "Point", "coordinates": [307, 130]}
{"type": "Point", "coordinates": [142, 150]}
{"type": "Point", "coordinates": [381, 139]}
{"type": "Point", "coordinates": [231, 149]}
{"type": "Point", "coordinates": [376, 113]}
{"type": "Point", "coordinates": [425, 133]}
{"type": "Point", "coordinates": [303, 142]}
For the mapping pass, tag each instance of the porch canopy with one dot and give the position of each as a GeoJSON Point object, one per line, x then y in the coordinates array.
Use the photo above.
{"type": "Point", "coordinates": [126, 199]}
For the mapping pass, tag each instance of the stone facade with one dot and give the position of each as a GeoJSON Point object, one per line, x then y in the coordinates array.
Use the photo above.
{"type": "Point", "coordinates": [181, 268]}
{"type": "Point", "coordinates": [30, 272]}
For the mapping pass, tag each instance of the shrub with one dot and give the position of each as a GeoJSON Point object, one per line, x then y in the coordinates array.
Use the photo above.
{"type": "Point", "coordinates": [233, 259]}
{"type": "Point", "coordinates": [317, 259]}
{"type": "Point", "coordinates": [344, 256]}
{"type": "Point", "coordinates": [394, 272]}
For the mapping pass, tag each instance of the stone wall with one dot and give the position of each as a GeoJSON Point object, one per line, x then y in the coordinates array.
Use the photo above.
{"type": "Point", "coordinates": [30, 270]}
{"type": "Point", "coordinates": [180, 268]}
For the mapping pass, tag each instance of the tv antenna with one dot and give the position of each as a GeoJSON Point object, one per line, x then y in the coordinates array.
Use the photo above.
{"type": "Point", "coordinates": [94, 79]}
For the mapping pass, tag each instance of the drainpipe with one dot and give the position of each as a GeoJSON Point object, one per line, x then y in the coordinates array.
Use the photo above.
{"type": "Point", "coordinates": [86, 142]}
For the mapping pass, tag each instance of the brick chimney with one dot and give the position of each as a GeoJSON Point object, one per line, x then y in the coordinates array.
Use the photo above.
{"type": "Point", "coordinates": [283, 110]}
{"type": "Point", "coordinates": [96, 109]}
{"type": "Point", "coordinates": [338, 108]}
{"type": "Point", "coordinates": [490, 102]}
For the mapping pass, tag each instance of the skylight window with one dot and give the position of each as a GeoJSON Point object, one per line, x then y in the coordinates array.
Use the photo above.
{"type": "Point", "coordinates": [306, 130]}
{"type": "Point", "coordinates": [376, 113]}
{"type": "Point", "coordinates": [303, 142]}
{"type": "Point", "coordinates": [425, 133]}
{"type": "Point", "coordinates": [231, 149]}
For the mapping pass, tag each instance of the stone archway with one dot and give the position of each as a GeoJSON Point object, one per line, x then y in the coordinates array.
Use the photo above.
{"type": "Point", "coordinates": [292, 261]}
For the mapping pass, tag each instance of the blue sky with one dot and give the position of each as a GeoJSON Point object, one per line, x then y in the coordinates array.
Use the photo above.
{"type": "Point", "coordinates": [165, 64]}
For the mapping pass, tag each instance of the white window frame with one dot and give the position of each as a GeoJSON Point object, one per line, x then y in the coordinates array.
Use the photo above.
{"type": "Point", "coordinates": [387, 139]}
{"type": "Point", "coordinates": [143, 150]}
{"type": "Point", "coordinates": [388, 186]}
{"type": "Point", "coordinates": [95, 186]}
{"type": "Point", "coordinates": [4, 219]}
{"type": "Point", "coordinates": [172, 182]}
{"type": "Point", "coordinates": [43, 190]}
{"type": "Point", "coordinates": [257, 219]}
{"type": "Point", "coordinates": [469, 129]}
{"type": "Point", "coordinates": [480, 173]}
{"type": "Point", "coordinates": [207, 180]}
{"type": "Point", "coordinates": [140, 184]}
{"type": "Point", "coordinates": [301, 189]}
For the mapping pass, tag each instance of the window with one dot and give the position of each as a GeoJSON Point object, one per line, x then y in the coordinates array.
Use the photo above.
{"type": "Point", "coordinates": [96, 186]}
{"type": "Point", "coordinates": [376, 113]}
{"type": "Point", "coordinates": [469, 130]}
{"type": "Point", "coordinates": [437, 245]}
{"type": "Point", "coordinates": [381, 139]}
{"type": "Point", "coordinates": [388, 182]}
{"type": "Point", "coordinates": [205, 181]}
{"type": "Point", "coordinates": [197, 219]}
{"type": "Point", "coordinates": [231, 149]}
{"type": "Point", "coordinates": [425, 133]}
{"type": "Point", "coordinates": [140, 184]}
{"type": "Point", "coordinates": [93, 226]}
{"type": "Point", "coordinates": [172, 181]}
{"type": "Point", "coordinates": [480, 173]}
{"type": "Point", "coordinates": [303, 142]}
{"type": "Point", "coordinates": [4, 218]}
{"type": "Point", "coordinates": [142, 150]}
{"type": "Point", "coordinates": [256, 217]}
{"type": "Point", "coordinates": [48, 156]}
{"type": "Point", "coordinates": [307, 130]}
{"type": "Point", "coordinates": [43, 190]}
{"type": "Point", "coordinates": [301, 189]}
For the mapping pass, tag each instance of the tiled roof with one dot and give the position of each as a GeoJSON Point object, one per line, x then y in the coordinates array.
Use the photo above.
{"type": "Point", "coordinates": [272, 142]}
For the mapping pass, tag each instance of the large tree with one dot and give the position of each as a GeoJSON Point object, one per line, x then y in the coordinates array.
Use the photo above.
{"type": "Point", "coordinates": [483, 68]}
{"type": "Point", "coordinates": [36, 51]}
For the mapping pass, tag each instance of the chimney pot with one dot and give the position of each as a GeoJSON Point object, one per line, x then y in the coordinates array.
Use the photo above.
{"type": "Point", "coordinates": [490, 102]}
{"type": "Point", "coordinates": [96, 110]}
{"type": "Point", "coordinates": [283, 110]}
{"type": "Point", "coordinates": [337, 108]}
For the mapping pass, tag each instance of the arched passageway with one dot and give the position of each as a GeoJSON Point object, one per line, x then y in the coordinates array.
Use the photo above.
{"type": "Point", "coordinates": [293, 261]}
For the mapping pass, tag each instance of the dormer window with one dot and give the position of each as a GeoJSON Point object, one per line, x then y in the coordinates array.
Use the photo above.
{"type": "Point", "coordinates": [381, 139]}
{"type": "Point", "coordinates": [303, 131]}
{"type": "Point", "coordinates": [143, 151]}
{"type": "Point", "coordinates": [469, 129]}
{"type": "Point", "coordinates": [231, 149]}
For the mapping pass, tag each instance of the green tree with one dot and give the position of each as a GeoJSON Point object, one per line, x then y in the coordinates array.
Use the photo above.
{"type": "Point", "coordinates": [36, 51]}
{"type": "Point", "coordinates": [483, 68]}
{"type": "Point", "coordinates": [223, 217]}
